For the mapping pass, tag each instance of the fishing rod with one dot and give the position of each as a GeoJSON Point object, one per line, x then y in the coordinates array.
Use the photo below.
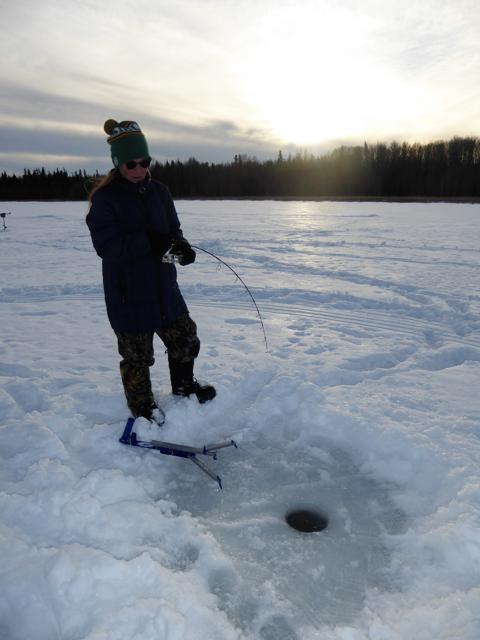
{"type": "Point", "coordinates": [244, 284]}
{"type": "Point", "coordinates": [170, 257]}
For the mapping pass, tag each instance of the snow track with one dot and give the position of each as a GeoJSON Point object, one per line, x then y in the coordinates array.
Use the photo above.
{"type": "Point", "coordinates": [368, 320]}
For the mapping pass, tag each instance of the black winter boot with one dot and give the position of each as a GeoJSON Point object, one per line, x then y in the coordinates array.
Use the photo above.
{"type": "Point", "coordinates": [184, 384]}
{"type": "Point", "coordinates": [152, 414]}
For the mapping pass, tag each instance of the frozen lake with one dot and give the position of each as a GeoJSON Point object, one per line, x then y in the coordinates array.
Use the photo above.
{"type": "Point", "coordinates": [364, 408]}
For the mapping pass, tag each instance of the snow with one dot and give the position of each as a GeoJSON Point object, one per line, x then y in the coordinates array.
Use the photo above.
{"type": "Point", "coordinates": [365, 408]}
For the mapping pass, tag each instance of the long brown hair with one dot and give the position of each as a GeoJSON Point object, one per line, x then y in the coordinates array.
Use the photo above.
{"type": "Point", "coordinates": [101, 182]}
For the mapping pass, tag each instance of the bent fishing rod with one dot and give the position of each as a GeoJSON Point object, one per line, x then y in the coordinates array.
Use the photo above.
{"type": "Point", "coordinates": [169, 257]}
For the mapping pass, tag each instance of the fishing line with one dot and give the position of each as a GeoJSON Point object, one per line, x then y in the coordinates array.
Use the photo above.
{"type": "Point", "coordinates": [244, 284]}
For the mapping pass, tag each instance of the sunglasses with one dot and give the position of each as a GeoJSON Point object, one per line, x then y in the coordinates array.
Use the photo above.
{"type": "Point", "coordinates": [145, 163]}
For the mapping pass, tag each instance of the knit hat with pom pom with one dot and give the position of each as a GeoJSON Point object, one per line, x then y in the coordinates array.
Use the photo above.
{"type": "Point", "coordinates": [126, 141]}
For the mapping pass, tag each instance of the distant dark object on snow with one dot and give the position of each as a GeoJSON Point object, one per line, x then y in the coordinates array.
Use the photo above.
{"type": "Point", "coordinates": [3, 215]}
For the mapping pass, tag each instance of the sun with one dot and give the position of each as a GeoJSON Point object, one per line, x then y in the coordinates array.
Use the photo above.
{"type": "Point", "coordinates": [313, 77]}
{"type": "Point", "coordinates": [308, 102]}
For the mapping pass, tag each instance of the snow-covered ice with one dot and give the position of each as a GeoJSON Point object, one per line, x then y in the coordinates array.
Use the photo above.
{"type": "Point", "coordinates": [366, 408]}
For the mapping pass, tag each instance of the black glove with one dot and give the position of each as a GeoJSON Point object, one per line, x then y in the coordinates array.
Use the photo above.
{"type": "Point", "coordinates": [182, 249]}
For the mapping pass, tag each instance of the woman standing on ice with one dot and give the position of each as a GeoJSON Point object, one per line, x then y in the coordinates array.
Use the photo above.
{"type": "Point", "coordinates": [133, 224]}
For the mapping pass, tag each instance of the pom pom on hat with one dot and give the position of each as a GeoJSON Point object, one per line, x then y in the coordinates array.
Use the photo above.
{"type": "Point", "coordinates": [126, 141]}
{"type": "Point", "coordinates": [109, 126]}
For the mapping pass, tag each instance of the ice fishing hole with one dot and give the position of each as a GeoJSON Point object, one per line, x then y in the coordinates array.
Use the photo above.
{"type": "Point", "coordinates": [306, 520]}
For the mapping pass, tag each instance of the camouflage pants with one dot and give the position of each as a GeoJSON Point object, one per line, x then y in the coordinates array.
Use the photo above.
{"type": "Point", "coordinates": [137, 353]}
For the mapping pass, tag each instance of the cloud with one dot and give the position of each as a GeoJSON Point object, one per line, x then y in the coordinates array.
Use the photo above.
{"type": "Point", "coordinates": [213, 78]}
{"type": "Point", "coordinates": [48, 129]}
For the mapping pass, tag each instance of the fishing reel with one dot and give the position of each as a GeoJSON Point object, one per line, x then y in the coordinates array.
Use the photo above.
{"type": "Point", "coordinates": [180, 252]}
{"type": "Point", "coordinates": [171, 258]}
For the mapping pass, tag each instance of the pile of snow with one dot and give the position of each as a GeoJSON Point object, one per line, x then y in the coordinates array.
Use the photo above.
{"type": "Point", "coordinates": [365, 408]}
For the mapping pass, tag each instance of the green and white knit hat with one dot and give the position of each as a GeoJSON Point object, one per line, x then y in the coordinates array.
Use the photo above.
{"type": "Point", "coordinates": [126, 141]}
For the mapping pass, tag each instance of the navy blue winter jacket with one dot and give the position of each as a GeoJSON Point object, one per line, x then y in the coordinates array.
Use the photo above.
{"type": "Point", "coordinates": [128, 222]}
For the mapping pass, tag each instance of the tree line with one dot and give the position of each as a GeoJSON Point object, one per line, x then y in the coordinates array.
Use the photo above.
{"type": "Point", "coordinates": [39, 184]}
{"type": "Point", "coordinates": [441, 169]}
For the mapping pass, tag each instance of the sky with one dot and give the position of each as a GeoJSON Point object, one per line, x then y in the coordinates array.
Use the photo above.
{"type": "Point", "coordinates": [213, 78]}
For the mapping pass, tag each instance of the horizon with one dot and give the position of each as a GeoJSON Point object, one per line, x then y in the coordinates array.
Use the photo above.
{"type": "Point", "coordinates": [246, 157]}
{"type": "Point", "coordinates": [213, 79]}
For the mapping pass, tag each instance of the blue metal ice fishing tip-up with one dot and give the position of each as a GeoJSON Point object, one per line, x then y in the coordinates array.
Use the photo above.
{"type": "Point", "coordinates": [179, 450]}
